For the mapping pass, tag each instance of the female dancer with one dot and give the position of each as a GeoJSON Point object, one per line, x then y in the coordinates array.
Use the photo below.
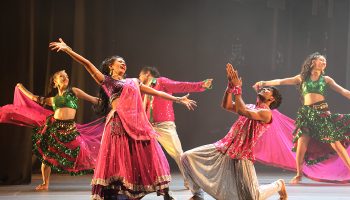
{"type": "Point", "coordinates": [130, 160]}
{"type": "Point", "coordinates": [318, 132]}
{"type": "Point", "coordinates": [57, 142]}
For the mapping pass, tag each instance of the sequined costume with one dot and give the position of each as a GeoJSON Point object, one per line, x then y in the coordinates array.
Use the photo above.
{"type": "Point", "coordinates": [322, 126]}
{"type": "Point", "coordinates": [130, 161]}
{"type": "Point", "coordinates": [63, 145]}
{"type": "Point", "coordinates": [274, 147]}
{"type": "Point", "coordinates": [225, 169]}
{"type": "Point", "coordinates": [160, 112]}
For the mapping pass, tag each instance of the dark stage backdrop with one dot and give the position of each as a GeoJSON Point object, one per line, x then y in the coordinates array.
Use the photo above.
{"type": "Point", "coordinates": [186, 40]}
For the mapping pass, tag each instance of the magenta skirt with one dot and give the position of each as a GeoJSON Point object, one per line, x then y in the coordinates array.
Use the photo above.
{"type": "Point", "coordinates": [128, 167]}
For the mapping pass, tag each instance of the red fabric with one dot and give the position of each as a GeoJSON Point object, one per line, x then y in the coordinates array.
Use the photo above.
{"type": "Point", "coordinates": [240, 141]}
{"type": "Point", "coordinates": [136, 164]}
{"type": "Point", "coordinates": [132, 114]}
{"type": "Point", "coordinates": [25, 112]}
{"type": "Point", "coordinates": [274, 148]}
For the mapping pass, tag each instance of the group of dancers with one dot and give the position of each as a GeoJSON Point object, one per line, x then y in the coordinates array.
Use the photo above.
{"type": "Point", "coordinates": [122, 148]}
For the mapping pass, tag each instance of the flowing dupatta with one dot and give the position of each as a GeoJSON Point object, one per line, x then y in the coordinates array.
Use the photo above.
{"type": "Point", "coordinates": [274, 149]}
{"type": "Point", "coordinates": [25, 112]}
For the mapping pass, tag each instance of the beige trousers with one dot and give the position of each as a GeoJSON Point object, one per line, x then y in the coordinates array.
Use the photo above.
{"type": "Point", "coordinates": [169, 140]}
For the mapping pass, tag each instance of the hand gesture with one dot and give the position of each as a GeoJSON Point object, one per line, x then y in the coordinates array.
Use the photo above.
{"type": "Point", "coordinates": [207, 84]}
{"type": "Point", "coordinates": [189, 103]}
{"type": "Point", "coordinates": [232, 76]}
{"type": "Point", "coordinates": [257, 86]}
{"type": "Point", "coordinates": [59, 46]}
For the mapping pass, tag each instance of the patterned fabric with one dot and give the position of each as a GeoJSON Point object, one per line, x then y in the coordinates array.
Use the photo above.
{"type": "Point", "coordinates": [55, 145]}
{"type": "Point", "coordinates": [324, 128]}
{"type": "Point", "coordinates": [222, 177]}
{"type": "Point", "coordinates": [67, 100]}
{"type": "Point", "coordinates": [318, 87]}
{"type": "Point", "coordinates": [130, 160]}
{"type": "Point", "coordinates": [159, 109]}
{"type": "Point", "coordinates": [63, 145]}
{"type": "Point", "coordinates": [129, 107]}
{"type": "Point", "coordinates": [240, 140]}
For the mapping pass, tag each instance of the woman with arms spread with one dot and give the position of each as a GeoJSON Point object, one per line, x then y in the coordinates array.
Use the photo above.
{"type": "Point", "coordinates": [57, 143]}
{"type": "Point", "coordinates": [130, 160]}
{"type": "Point", "coordinates": [318, 133]}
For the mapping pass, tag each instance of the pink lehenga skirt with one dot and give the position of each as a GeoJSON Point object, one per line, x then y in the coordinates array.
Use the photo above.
{"type": "Point", "coordinates": [128, 167]}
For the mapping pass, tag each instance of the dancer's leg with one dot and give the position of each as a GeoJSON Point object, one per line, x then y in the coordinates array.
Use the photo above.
{"type": "Point", "coordinates": [342, 153]}
{"type": "Point", "coordinates": [170, 141]}
{"type": "Point", "coordinates": [45, 172]}
{"type": "Point", "coordinates": [303, 142]}
{"type": "Point", "coordinates": [266, 191]}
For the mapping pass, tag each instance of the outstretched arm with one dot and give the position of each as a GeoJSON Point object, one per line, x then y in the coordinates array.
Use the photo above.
{"type": "Point", "coordinates": [94, 72]}
{"type": "Point", "coordinates": [240, 107]}
{"type": "Point", "coordinates": [295, 80]}
{"type": "Point", "coordinates": [83, 95]}
{"type": "Point", "coordinates": [337, 88]}
{"type": "Point", "coordinates": [190, 104]}
{"type": "Point", "coordinates": [33, 97]}
{"type": "Point", "coordinates": [184, 87]}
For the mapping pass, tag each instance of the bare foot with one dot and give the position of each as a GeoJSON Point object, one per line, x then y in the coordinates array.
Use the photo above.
{"type": "Point", "coordinates": [283, 192]}
{"type": "Point", "coordinates": [296, 179]}
{"type": "Point", "coordinates": [42, 187]}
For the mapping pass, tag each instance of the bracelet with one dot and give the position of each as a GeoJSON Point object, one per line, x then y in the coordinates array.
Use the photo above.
{"type": "Point", "coordinates": [210, 87]}
{"type": "Point", "coordinates": [229, 85]}
{"type": "Point", "coordinates": [236, 90]}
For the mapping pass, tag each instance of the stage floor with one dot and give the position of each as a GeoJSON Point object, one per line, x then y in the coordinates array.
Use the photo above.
{"type": "Point", "coordinates": [64, 187]}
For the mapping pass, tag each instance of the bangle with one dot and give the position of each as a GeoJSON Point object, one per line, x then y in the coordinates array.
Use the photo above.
{"type": "Point", "coordinates": [262, 83]}
{"type": "Point", "coordinates": [229, 85]}
{"type": "Point", "coordinates": [236, 90]}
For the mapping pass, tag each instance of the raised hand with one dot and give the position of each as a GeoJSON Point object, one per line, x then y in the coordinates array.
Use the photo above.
{"type": "Point", "coordinates": [189, 103]}
{"type": "Point", "coordinates": [257, 86]}
{"type": "Point", "coordinates": [232, 75]}
{"type": "Point", "coordinates": [59, 46]}
{"type": "Point", "coordinates": [207, 84]}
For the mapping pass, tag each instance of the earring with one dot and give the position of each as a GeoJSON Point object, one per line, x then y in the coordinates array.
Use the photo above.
{"type": "Point", "coordinates": [111, 72]}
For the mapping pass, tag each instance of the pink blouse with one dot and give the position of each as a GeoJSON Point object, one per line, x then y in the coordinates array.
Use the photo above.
{"type": "Point", "coordinates": [240, 141]}
{"type": "Point", "coordinates": [159, 109]}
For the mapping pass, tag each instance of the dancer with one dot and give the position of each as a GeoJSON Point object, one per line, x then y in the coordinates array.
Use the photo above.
{"type": "Point", "coordinates": [57, 142]}
{"type": "Point", "coordinates": [225, 169]}
{"type": "Point", "coordinates": [160, 112]}
{"type": "Point", "coordinates": [318, 133]}
{"type": "Point", "coordinates": [130, 161]}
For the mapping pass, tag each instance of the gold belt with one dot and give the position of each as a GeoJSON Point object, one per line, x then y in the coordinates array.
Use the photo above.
{"type": "Point", "coordinates": [320, 106]}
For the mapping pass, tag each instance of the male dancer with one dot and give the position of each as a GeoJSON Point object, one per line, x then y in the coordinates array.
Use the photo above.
{"type": "Point", "coordinates": [161, 113]}
{"type": "Point", "coordinates": [225, 169]}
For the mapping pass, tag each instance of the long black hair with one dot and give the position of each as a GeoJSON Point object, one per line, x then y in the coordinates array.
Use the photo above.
{"type": "Point", "coordinates": [103, 107]}
{"type": "Point", "coordinates": [307, 66]}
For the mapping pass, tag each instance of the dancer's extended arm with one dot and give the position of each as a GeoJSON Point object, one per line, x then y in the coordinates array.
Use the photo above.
{"type": "Point", "coordinates": [240, 107]}
{"type": "Point", "coordinates": [38, 99]}
{"type": "Point", "coordinates": [83, 95]}
{"type": "Point", "coordinates": [190, 104]}
{"type": "Point", "coordinates": [332, 84]}
{"type": "Point", "coordinates": [94, 72]}
{"type": "Point", "coordinates": [295, 80]}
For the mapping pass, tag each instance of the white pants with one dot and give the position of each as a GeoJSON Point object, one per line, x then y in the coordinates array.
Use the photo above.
{"type": "Point", "coordinates": [169, 140]}
{"type": "Point", "coordinates": [224, 178]}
